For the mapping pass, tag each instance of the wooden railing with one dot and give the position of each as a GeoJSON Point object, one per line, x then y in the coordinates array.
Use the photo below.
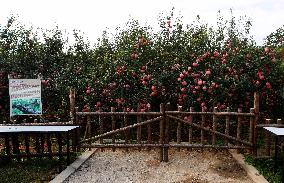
{"type": "Point", "coordinates": [164, 129]}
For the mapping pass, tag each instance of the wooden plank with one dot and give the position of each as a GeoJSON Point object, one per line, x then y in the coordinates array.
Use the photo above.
{"type": "Point", "coordinates": [118, 113]}
{"type": "Point", "coordinates": [270, 125]}
{"type": "Point", "coordinates": [163, 145]}
{"type": "Point", "coordinates": [96, 145]}
{"type": "Point", "coordinates": [209, 113]}
{"type": "Point", "coordinates": [39, 155]}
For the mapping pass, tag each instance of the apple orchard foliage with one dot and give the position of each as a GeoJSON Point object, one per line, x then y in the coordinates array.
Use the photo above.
{"type": "Point", "coordinates": [137, 68]}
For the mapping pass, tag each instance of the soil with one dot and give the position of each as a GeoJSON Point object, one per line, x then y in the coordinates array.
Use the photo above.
{"type": "Point", "coordinates": [194, 166]}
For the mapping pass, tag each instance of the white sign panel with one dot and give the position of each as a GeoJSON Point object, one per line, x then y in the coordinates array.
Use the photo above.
{"type": "Point", "coordinates": [25, 97]}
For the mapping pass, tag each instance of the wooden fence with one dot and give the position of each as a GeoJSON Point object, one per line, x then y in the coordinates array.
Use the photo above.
{"type": "Point", "coordinates": [168, 129]}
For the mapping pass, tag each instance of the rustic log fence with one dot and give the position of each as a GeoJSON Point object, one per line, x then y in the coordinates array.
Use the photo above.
{"type": "Point", "coordinates": [168, 129]}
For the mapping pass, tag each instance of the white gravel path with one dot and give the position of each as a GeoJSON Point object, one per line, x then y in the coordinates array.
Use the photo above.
{"type": "Point", "coordinates": [144, 167]}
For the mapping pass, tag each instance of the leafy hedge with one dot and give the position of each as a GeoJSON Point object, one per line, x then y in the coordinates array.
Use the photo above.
{"type": "Point", "coordinates": [187, 64]}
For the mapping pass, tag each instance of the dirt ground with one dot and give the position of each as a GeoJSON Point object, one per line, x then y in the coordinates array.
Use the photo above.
{"type": "Point", "coordinates": [144, 167]}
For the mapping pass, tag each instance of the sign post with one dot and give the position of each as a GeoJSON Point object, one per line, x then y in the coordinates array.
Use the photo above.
{"type": "Point", "coordinates": [25, 97]}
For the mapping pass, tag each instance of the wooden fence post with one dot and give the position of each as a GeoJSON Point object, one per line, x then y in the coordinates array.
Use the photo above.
{"type": "Point", "coordinates": [251, 128]}
{"type": "Point", "coordinates": [202, 131]}
{"type": "Point", "coordinates": [161, 140]}
{"type": "Point", "coordinates": [88, 126]}
{"type": "Point", "coordinates": [113, 127]}
{"type": "Point", "coordinates": [125, 119]}
{"type": "Point", "coordinates": [139, 128]}
{"type": "Point", "coordinates": [227, 126]}
{"type": "Point", "coordinates": [190, 128]}
{"type": "Point", "coordinates": [179, 129]}
{"type": "Point", "coordinates": [256, 118]}
{"type": "Point", "coordinates": [101, 130]}
{"type": "Point", "coordinates": [214, 126]}
{"type": "Point", "coordinates": [89, 129]}
{"type": "Point", "coordinates": [72, 105]}
{"type": "Point", "coordinates": [149, 134]}
{"type": "Point", "coordinates": [239, 129]}
{"type": "Point", "coordinates": [267, 138]}
{"type": "Point", "coordinates": [27, 144]}
{"type": "Point", "coordinates": [76, 145]}
{"type": "Point", "coordinates": [166, 149]}
{"type": "Point", "coordinates": [73, 117]}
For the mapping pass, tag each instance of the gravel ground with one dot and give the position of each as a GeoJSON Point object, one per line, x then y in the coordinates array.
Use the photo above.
{"type": "Point", "coordinates": [144, 167]}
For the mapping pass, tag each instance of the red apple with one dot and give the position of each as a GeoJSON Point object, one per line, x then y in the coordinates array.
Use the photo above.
{"type": "Point", "coordinates": [268, 85]}
{"type": "Point", "coordinates": [194, 64]}
{"type": "Point", "coordinates": [99, 104]}
{"type": "Point", "coordinates": [216, 53]}
{"type": "Point", "coordinates": [208, 72]}
{"type": "Point", "coordinates": [153, 94]}
{"type": "Point", "coordinates": [261, 77]}
{"type": "Point", "coordinates": [200, 82]}
{"type": "Point", "coordinates": [266, 49]}
{"type": "Point", "coordinates": [183, 83]}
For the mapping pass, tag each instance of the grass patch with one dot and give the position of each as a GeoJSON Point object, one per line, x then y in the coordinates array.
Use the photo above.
{"type": "Point", "coordinates": [36, 170]}
{"type": "Point", "coordinates": [266, 168]}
